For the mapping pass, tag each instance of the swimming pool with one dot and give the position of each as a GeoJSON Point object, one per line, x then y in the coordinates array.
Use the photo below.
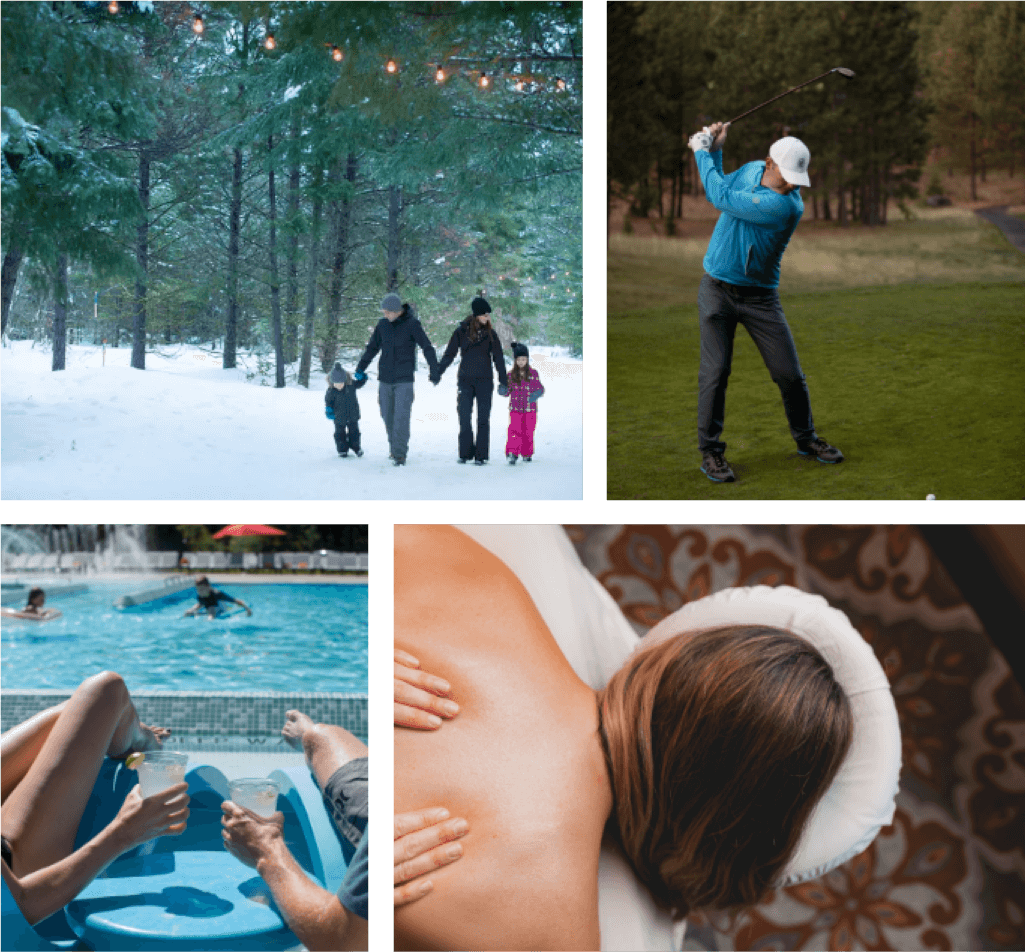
{"type": "Point", "coordinates": [301, 637]}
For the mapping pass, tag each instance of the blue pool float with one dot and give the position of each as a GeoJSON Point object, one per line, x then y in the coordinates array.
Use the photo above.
{"type": "Point", "coordinates": [187, 892]}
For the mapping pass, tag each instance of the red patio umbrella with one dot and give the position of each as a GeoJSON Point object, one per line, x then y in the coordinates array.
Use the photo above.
{"type": "Point", "coordinates": [247, 531]}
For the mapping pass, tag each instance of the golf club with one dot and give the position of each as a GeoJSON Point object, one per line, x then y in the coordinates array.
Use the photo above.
{"type": "Point", "coordinates": [849, 73]}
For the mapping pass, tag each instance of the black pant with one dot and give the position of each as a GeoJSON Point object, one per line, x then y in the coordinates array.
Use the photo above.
{"type": "Point", "coordinates": [479, 389]}
{"type": "Point", "coordinates": [721, 307]}
{"type": "Point", "coordinates": [346, 436]}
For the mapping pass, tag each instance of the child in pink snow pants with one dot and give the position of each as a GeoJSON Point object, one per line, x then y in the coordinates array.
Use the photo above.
{"type": "Point", "coordinates": [524, 390]}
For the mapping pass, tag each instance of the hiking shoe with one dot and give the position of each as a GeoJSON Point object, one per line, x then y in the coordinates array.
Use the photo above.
{"type": "Point", "coordinates": [480, 462]}
{"type": "Point", "coordinates": [358, 452]}
{"type": "Point", "coordinates": [461, 460]}
{"type": "Point", "coordinates": [821, 450]}
{"type": "Point", "coordinates": [343, 454]}
{"type": "Point", "coordinates": [512, 458]}
{"type": "Point", "coordinates": [398, 461]}
{"type": "Point", "coordinates": [527, 459]}
{"type": "Point", "coordinates": [715, 467]}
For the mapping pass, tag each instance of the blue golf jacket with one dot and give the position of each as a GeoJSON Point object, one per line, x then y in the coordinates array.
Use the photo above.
{"type": "Point", "coordinates": [755, 225]}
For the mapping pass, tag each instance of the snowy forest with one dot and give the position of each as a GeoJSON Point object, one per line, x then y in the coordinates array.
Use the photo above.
{"type": "Point", "coordinates": [254, 177]}
{"type": "Point", "coordinates": [241, 183]}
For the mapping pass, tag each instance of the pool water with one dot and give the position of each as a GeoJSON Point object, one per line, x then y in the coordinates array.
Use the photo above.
{"type": "Point", "coordinates": [299, 638]}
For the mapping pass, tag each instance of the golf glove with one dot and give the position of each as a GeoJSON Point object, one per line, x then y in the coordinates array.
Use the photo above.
{"type": "Point", "coordinates": [700, 141]}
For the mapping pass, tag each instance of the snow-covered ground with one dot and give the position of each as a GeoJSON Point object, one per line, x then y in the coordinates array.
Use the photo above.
{"type": "Point", "coordinates": [187, 429]}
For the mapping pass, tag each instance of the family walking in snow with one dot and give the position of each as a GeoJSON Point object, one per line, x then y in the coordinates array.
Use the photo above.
{"type": "Point", "coordinates": [476, 343]}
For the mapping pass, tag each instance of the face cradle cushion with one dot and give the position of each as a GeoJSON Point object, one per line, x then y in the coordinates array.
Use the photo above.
{"type": "Point", "coordinates": [860, 801]}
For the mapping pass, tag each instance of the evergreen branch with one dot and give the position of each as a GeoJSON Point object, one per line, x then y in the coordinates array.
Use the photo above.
{"type": "Point", "coordinates": [537, 127]}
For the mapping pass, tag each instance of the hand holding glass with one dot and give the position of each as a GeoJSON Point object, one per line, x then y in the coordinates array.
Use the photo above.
{"type": "Point", "coordinates": [159, 770]}
{"type": "Point", "coordinates": [258, 795]}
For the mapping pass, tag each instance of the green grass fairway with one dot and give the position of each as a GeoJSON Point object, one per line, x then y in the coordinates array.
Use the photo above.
{"type": "Point", "coordinates": [921, 386]}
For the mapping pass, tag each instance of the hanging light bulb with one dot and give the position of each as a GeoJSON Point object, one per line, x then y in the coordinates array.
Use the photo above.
{"type": "Point", "coordinates": [197, 24]}
{"type": "Point", "coordinates": [519, 85]}
{"type": "Point", "coordinates": [439, 76]}
{"type": "Point", "coordinates": [484, 81]}
{"type": "Point", "coordinates": [391, 66]}
{"type": "Point", "coordinates": [113, 6]}
{"type": "Point", "coordinates": [270, 42]}
{"type": "Point", "coordinates": [336, 54]}
{"type": "Point", "coordinates": [560, 84]}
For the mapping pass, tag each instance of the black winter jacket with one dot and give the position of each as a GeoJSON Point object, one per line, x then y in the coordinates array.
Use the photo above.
{"type": "Point", "coordinates": [344, 402]}
{"type": "Point", "coordinates": [397, 343]}
{"type": "Point", "coordinates": [477, 356]}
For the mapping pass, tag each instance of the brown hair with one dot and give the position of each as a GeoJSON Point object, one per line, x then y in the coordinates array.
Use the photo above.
{"type": "Point", "coordinates": [519, 374]}
{"type": "Point", "coordinates": [718, 744]}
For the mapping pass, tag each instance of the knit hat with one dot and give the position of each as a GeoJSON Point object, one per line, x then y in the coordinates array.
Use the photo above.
{"type": "Point", "coordinates": [480, 306]}
{"type": "Point", "coordinates": [391, 302]}
{"type": "Point", "coordinates": [519, 350]}
{"type": "Point", "coordinates": [338, 375]}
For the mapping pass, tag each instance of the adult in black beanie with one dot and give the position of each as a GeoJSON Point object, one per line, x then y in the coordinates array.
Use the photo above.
{"type": "Point", "coordinates": [479, 348]}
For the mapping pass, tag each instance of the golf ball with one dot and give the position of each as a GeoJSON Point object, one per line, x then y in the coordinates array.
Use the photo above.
{"type": "Point", "coordinates": [930, 496]}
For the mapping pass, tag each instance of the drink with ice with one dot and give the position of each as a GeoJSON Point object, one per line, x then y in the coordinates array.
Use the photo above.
{"type": "Point", "coordinates": [159, 770]}
{"type": "Point", "coordinates": [260, 796]}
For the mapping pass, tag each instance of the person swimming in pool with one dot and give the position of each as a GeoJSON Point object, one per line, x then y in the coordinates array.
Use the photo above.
{"type": "Point", "coordinates": [209, 599]}
{"type": "Point", "coordinates": [34, 610]}
{"type": "Point", "coordinates": [36, 600]}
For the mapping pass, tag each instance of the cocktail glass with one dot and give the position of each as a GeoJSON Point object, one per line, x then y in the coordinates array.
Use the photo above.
{"type": "Point", "coordinates": [159, 770]}
{"type": "Point", "coordinates": [258, 795]}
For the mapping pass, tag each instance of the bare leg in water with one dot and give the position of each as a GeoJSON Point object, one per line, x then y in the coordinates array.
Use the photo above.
{"type": "Point", "coordinates": [51, 762]}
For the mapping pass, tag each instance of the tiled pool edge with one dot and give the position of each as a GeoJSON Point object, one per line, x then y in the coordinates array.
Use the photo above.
{"type": "Point", "coordinates": [245, 717]}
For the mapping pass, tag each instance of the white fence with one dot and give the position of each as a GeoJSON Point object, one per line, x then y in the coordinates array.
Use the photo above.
{"type": "Point", "coordinates": [87, 562]}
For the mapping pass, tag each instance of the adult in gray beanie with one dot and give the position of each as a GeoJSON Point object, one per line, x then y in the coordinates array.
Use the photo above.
{"type": "Point", "coordinates": [396, 338]}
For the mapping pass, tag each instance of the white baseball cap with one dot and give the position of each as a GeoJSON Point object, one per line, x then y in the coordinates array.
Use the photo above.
{"type": "Point", "coordinates": [792, 157]}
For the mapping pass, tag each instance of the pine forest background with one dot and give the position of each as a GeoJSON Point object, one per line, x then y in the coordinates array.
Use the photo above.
{"type": "Point", "coordinates": [254, 177]}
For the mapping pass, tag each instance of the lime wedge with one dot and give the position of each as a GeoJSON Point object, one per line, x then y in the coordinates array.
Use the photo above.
{"type": "Point", "coordinates": [133, 760]}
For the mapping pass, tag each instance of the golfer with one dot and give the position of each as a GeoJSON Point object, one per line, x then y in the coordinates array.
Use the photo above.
{"type": "Point", "coordinates": [761, 206]}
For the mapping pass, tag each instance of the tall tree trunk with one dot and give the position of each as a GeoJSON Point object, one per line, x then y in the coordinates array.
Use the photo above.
{"type": "Point", "coordinates": [275, 286]}
{"type": "Point", "coordinates": [841, 207]}
{"type": "Point", "coordinates": [234, 226]}
{"type": "Point", "coordinates": [231, 330]}
{"type": "Point", "coordinates": [11, 263]}
{"type": "Point", "coordinates": [311, 278]}
{"type": "Point", "coordinates": [972, 152]}
{"type": "Point", "coordinates": [292, 277]}
{"type": "Point", "coordinates": [394, 237]}
{"type": "Point", "coordinates": [142, 263]}
{"type": "Point", "coordinates": [342, 216]}
{"type": "Point", "coordinates": [60, 313]}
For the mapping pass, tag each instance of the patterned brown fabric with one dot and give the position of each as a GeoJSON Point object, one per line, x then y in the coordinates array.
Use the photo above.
{"type": "Point", "coordinates": [949, 873]}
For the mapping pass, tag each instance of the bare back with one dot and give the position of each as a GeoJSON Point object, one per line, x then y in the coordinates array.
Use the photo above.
{"type": "Point", "coordinates": [522, 761]}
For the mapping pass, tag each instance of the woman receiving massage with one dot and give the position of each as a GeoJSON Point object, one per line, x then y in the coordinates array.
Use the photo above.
{"type": "Point", "coordinates": [700, 760]}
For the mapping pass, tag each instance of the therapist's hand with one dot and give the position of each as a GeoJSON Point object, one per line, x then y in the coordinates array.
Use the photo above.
{"type": "Point", "coordinates": [421, 699]}
{"type": "Point", "coordinates": [424, 842]}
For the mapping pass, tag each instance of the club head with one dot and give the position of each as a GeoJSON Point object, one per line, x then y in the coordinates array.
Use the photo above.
{"type": "Point", "coordinates": [844, 71]}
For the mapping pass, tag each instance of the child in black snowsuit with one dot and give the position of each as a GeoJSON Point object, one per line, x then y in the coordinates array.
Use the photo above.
{"type": "Point", "coordinates": [342, 406]}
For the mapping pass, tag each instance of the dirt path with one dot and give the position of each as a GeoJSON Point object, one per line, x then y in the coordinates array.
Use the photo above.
{"type": "Point", "coordinates": [1013, 228]}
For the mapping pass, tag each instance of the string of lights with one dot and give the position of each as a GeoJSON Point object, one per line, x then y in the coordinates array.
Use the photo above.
{"type": "Point", "coordinates": [480, 77]}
